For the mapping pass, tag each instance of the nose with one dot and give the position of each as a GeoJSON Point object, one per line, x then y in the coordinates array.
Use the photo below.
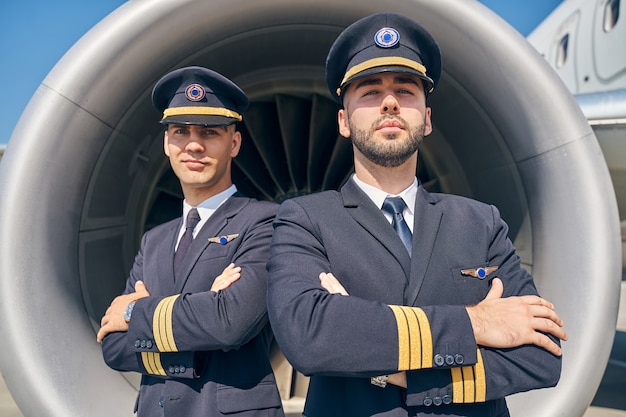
{"type": "Point", "coordinates": [194, 144]}
{"type": "Point", "coordinates": [390, 105]}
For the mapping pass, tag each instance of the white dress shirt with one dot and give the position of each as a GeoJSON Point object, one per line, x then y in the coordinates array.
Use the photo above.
{"type": "Point", "coordinates": [378, 197]}
{"type": "Point", "coordinates": [205, 210]}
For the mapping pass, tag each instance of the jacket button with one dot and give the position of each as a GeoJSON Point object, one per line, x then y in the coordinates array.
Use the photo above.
{"type": "Point", "coordinates": [439, 361]}
{"type": "Point", "coordinates": [182, 369]}
{"type": "Point", "coordinates": [459, 359]}
{"type": "Point", "coordinates": [449, 360]}
{"type": "Point", "coordinates": [137, 343]}
{"type": "Point", "coordinates": [428, 401]}
{"type": "Point", "coordinates": [170, 369]}
{"type": "Point", "coordinates": [143, 343]}
{"type": "Point", "coordinates": [446, 399]}
{"type": "Point", "coordinates": [437, 401]}
{"type": "Point", "coordinates": [161, 401]}
{"type": "Point", "coordinates": [149, 344]}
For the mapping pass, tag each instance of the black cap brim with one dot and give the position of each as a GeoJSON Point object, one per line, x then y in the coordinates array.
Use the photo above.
{"type": "Point", "coordinates": [199, 120]}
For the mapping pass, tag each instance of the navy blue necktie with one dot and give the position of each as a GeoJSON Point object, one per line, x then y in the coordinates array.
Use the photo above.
{"type": "Point", "coordinates": [183, 246]}
{"type": "Point", "coordinates": [395, 206]}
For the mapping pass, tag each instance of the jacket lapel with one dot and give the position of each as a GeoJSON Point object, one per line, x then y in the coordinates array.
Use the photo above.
{"type": "Point", "coordinates": [165, 254]}
{"type": "Point", "coordinates": [365, 212]}
{"type": "Point", "coordinates": [425, 228]}
{"type": "Point", "coordinates": [216, 223]}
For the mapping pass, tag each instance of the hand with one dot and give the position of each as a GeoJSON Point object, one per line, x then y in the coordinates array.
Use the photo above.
{"type": "Point", "coordinates": [398, 379]}
{"type": "Point", "coordinates": [514, 321]}
{"type": "Point", "coordinates": [230, 274]}
{"type": "Point", "coordinates": [331, 284]}
{"type": "Point", "coordinates": [113, 320]}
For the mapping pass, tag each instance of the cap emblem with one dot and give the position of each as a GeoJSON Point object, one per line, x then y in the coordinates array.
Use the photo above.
{"type": "Point", "coordinates": [194, 92]}
{"type": "Point", "coordinates": [387, 37]}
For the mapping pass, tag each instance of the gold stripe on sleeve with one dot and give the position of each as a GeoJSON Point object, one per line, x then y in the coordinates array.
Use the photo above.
{"type": "Point", "coordinates": [468, 384]}
{"type": "Point", "coordinates": [157, 364]}
{"type": "Point", "coordinates": [481, 379]}
{"type": "Point", "coordinates": [162, 325]}
{"type": "Point", "coordinates": [426, 338]}
{"type": "Point", "coordinates": [415, 343]}
{"type": "Point", "coordinates": [158, 325]}
{"type": "Point", "coordinates": [152, 363]}
{"type": "Point", "coordinates": [169, 330]}
{"type": "Point", "coordinates": [404, 352]}
{"type": "Point", "coordinates": [457, 385]}
{"type": "Point", "coordinates": [145, 358]}
{"type": "Point", "coordinates": [415, 338]}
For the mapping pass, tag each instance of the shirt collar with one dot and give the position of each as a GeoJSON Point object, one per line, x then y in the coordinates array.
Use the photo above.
{"type": "Point", "coordinates": [378, 196]}
{"type": "Point", "coordinates": [208, 206]}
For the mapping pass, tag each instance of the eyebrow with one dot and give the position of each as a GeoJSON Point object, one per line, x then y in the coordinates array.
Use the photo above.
{"type": "Point", "coordinates": [368, 81]}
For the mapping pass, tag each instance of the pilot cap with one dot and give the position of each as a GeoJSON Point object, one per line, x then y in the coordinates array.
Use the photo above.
{"type": "Point", "coordinates": [198, 96]}
{"type": "Point", "coordinates": [383, 42]}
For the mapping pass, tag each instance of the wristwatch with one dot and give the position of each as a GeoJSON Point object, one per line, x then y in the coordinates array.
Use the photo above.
{"type": "Point", "coordinates": [379, 381]}
{"type": "Point", "coordinates": [129, 311]}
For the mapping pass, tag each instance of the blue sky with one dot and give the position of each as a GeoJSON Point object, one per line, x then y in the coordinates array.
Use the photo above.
{"type": "Point", "coordinates": [34, 35]}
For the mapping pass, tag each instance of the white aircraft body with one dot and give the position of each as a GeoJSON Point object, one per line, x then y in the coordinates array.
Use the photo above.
{"type": "Point", "coordinates": [584, 41]}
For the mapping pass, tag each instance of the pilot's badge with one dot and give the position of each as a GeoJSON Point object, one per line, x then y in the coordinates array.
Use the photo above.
{"type": "Point", "coordinates": [222, 240]}
{"type": "Point", "coordinates": [480, 272]}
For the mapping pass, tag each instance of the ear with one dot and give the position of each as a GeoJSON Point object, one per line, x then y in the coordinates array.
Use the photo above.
{"type": "Point", "coordinates": [236, 144]}
{"type": "Point", "coordinates": [428, 126]}
{"type": "Point", "coordinates": [166, 143]}
{"type": "Point", "coordinates": [343, 123]}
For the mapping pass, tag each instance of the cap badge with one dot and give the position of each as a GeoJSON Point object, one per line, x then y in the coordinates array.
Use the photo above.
{"type": "Point", "coordinates": [194, 92]}
{"type": "Point", "coordinates": [387, 37]}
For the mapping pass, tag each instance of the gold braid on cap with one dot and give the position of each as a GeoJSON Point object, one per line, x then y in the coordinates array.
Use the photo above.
{"type": "Point", "coordinates": [206, 111]}
{"type": "Point", "coordinates": [381, 62]}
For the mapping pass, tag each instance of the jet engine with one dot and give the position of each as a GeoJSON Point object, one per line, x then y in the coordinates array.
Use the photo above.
{"type": "Point", "coordinates": [84, 174]}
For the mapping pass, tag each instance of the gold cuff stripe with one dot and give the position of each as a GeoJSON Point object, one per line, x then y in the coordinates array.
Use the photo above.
{"type": "Point", "coordinates": [426, 338]}
{"type": "Point", "coordinates": [152, 363]}
{"type": "Point", "coordinates": [481, 379]}
{"type": "Point", "coordinates": [469, 383]}
{"type": "Point", "coordinates": [145, 358]}
{"type": "Point", "coordinates": [201, 110]}
{"type": "Point", "coordinates": [159, 324]}
{"type": "Point", "coordinates": [381, 62]}
{"type": "Point", "coordinates": [162, 325]}
{"type": "Point", "coordinates": [457, 385]}
{"type": "Point", "coordinates": [404, 355]}
{"type": "Point", "coordinates": [415, 344]}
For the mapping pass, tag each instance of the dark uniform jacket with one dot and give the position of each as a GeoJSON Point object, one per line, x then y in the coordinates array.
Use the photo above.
{"type": "Point", "coordinates": [202, 353]}
{"type": "Point", "coordinates": [402, 313]}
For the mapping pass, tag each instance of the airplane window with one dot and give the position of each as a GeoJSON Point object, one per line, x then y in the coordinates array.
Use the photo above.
{"type": "Point", "coordinates": [611, 14]}
{"type": "Point", "coordinates": [561, 52]}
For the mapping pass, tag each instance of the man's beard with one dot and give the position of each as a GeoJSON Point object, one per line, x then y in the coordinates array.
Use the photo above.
{"type": "Point", "coordinates": [389, 153]}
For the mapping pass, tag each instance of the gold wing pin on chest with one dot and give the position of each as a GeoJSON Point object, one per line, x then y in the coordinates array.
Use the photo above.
{"type": "Point", "coordinates": [481, 272]}
{"type": "Point", "coordinates": [222, 240]}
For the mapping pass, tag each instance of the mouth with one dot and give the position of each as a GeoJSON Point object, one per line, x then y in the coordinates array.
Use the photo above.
{"type": "Point", "coordinates": [390, 126]}
{"type": "Point", "coordinates": [193, 164]}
